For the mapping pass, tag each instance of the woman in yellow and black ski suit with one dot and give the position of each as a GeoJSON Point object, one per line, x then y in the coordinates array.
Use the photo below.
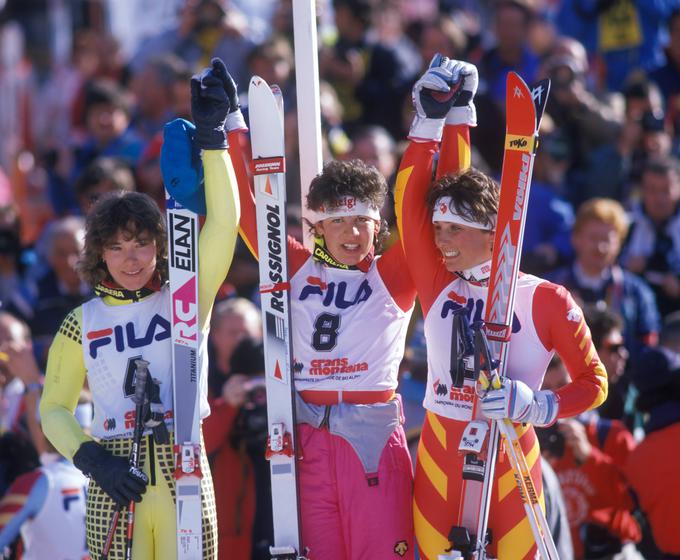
{"type": "Point", "coordinates": [126, 261]}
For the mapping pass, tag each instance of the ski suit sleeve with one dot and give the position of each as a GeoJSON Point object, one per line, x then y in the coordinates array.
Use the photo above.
{"type": "Point", "coordinates": [23, 501]}
{"type": "Point", "coordinates": [394, 272]}
{"type": "Point", "coordinates": [218, 234]}
{"type": "Point", "coordinates": [64, 378]}
{"type": "Point", "coordinates": [414, 219]}
{"type": "Point", "coordinates": [455, 152]}
{"type": "Point", "coordinates": [561, 327]}
{"type": "Point", "coordinates": [239, 149]}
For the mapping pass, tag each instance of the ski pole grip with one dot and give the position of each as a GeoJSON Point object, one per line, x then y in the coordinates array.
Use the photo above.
{"type": "Point", "coordinates": [141, 376]}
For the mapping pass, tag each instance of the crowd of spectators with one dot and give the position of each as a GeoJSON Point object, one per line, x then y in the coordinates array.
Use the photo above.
{"type": "Point", "coordinates": [80, 115]}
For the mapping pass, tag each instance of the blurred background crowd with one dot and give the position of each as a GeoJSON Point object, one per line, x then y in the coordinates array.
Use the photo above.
{"type": "Point", "coordinates": [87, 85]}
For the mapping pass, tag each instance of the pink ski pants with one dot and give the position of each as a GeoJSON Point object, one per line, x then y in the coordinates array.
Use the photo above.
{"type": "Point", "coordinates": [346, 515]}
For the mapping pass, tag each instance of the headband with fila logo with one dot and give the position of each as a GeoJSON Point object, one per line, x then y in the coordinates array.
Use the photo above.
{"type": "Point", "coordinates": [348, 206]}
{"type": "Point", "coordinates": [445, 210]}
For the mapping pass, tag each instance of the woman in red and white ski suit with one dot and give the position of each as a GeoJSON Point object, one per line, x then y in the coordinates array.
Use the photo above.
{"type": "Point", "coordinates": [448, 246]}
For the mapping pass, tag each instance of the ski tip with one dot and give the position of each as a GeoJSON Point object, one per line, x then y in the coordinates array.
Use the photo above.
{"type": "Point", "coordinates": [540, 91]}
{"type": "Point", "coordinates": [520, 111]}
{"type": "Point", "coordinates": [515, 86]}
{"type": "Point", "coordinates": [266, 119]}
{"type": "Point", "coordinates": [256, 81]}
{"type": "Point", "coordinates": [260, 92]}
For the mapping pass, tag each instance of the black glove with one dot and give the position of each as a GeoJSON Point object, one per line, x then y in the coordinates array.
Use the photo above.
{"type": "Point", "coordinates": [120, 480]}
{"type": "Point", "coordinates": [229, 87]}
{"type": "Point", "coordinates": [235, 120]}
{"type": "Point", "coordinates": [210, 106]}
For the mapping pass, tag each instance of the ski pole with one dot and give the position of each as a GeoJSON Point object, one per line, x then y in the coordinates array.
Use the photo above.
{"type": "Point", "coordinates": [520, 468]}
{"type": "Point", "coordinates": [525, 484]}
{"type": "Point", "coordinates": [141, 375]}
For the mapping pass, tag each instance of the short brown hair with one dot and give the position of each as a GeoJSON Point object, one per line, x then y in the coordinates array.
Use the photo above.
{"type": "Point", "coordinates": [133, 213]}
{"type": "Point", "coordinates": [604, 210]}
{"type": "Point", "coordinates": [474, 194]}
{"type": "Point", "coordinates": [348, 178]}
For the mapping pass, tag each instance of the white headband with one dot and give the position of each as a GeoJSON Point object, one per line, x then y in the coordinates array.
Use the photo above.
{"type": "Point", "coordinates": [445, 211]}
{"type": "Point", "coordinates": [348, 206]}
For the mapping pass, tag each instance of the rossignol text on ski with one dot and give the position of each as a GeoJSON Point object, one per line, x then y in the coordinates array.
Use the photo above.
{"type": "Point", "coordinates": [267, 141]}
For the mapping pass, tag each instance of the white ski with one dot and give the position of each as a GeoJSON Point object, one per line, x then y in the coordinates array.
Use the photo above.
{"type": "Point", "coordinates": [183, 267]}
{"type": "Point", "coordinates": [267, 141]}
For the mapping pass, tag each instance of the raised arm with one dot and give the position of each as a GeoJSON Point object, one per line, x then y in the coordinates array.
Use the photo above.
{"type": "Point", "coordinates": [239, 148]}
{"type": "Point", "coordinates": [219, 232]}
{"type": "Point", "coordinates": [443, 102]}
{"type": "Point", "coordinates": [218, 198]}
{"type": "Point", "coordinates": [414, 219]}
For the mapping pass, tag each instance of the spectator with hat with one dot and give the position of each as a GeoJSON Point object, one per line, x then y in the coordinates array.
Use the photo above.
{"type": "Point", "coordinates": [653, 466]}
{"type": "Point", "coordinates": [589, 119]}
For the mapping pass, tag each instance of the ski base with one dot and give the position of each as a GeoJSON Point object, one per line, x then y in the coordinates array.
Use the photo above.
{"type": "Point", "coordinates": [189, 527]}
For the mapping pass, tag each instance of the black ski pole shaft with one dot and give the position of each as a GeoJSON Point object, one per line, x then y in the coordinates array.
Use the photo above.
{"type": "Point", "coordinates": [138, 399]}
{"type": "Point", "coordinates": [142, 374]}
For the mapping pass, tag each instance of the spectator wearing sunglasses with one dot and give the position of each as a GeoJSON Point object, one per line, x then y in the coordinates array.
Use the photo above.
{"type": "Point", "coordinates": [588, 452]}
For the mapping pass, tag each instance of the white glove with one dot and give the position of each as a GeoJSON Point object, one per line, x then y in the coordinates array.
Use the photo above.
{"type": "Point", "coordinates": [463, 110]}
{"type": "Point", "coordinates": [515, 400]}
{"type": "Point", "coordinates": [433, 96]}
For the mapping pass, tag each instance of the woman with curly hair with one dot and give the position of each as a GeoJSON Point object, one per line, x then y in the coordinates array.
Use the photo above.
{"type": "Point", "coordinates": [125, 261]}
{"type": "Point", "coordinates": [350, 312]}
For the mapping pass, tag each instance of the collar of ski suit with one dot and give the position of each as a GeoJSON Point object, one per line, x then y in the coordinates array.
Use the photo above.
{"type": "Point", "coordinates": [321, 254]}
{"type": "Point", "coordinates": [114, 290]}
{"type": "Point", "coordinates": [477, 274]}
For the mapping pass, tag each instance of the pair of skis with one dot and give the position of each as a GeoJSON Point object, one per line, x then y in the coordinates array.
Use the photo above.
{"type": "Point", "coordinates": [524, 109]}
{"type": "Point", "coordinates": [265, 106]}
{"type": "Point", "coordinates": [267, 142]}
{"type": "Point", "coordinates": [183, 271]}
